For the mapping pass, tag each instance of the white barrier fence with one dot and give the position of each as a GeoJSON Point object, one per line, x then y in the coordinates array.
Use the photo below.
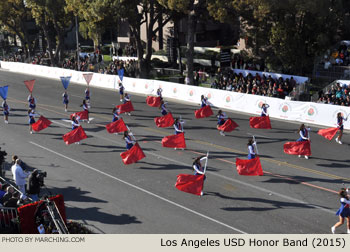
{"type": "Point", "coordinates": [306, 112]}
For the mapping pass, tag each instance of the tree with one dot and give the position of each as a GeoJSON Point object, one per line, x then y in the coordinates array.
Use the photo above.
{"type": "Point", "coordinates": [193, 9]}
{"type": "Point", "coordinates": [51, 14]}
{"type": "Point", "coordinates": [14, 17]}
{"type": "Point", "coordinates": [288, 33]}
{"type": "Point", "coordinates": [95, 16]}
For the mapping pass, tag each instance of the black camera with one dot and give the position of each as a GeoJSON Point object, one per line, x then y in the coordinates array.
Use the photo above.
{"type": "Point", "coordinates": [40, 176]}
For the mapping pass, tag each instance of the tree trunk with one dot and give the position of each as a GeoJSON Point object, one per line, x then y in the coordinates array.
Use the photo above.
{"type": "Point", "coordinates": [190, 42]}
{"type": "Point", "coordinates": [49, 45]}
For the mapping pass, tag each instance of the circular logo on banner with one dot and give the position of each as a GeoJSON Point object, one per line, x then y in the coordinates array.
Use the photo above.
{"type": "Point", "coordinates": [99, 79]}
{"type": "Point", "coordinates": [285, 107]}
{"type": "Point", "coordinates": [312, 111]}
{"type": "Point", "coordinates": [228, 99]}
{"type": "Point", "coordinates": [70, 74]}
{"type": "Point", "coordinates": [48, 71]}
{"type": "Point", "coordinates": [133, 84]}
{"type": "Point", "coordinates": [191, 92]}
{"type": "Point", "coordinates": [160, 86]}
{"type": "Point", "coordinates": [174, 90]}
{"type": "Point", "coordinates": [259, 103]}
{"type": "Point", "coordinates": [209, 96]}
{"type": "Point", "coordinates": [146, 86]}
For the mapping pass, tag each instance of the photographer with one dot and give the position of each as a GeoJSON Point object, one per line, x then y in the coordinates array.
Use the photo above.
{"type": "Point", "coordinates": [19, 176]}
{"type": "Point", "coordinates": [36, 180]}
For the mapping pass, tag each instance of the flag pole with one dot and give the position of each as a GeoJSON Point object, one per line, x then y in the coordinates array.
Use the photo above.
{"type": "Point", "coordinates": [206, 162]}
{"type": "Point", "coordinates": [256, 145]}
{"type": "Point", "coordinates": [131, 133]}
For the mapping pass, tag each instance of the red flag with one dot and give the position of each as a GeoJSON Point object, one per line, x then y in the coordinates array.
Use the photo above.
{"type": "Point", "coordinates": [125, 108]}
{"type": "Point", "coordinates": [88, 77]}
{"type": "Point", "coordinates": [83, 115]}
{"type": "Point", "coordinates": [260, 122]}
{"type": "Point", "coordinates": [164, 121]}
{"type": "Point", "coordinates": [250, 167]}
{"type": "Point", "coordinates": [228, 126]}
{"type": "Point", "coordinates": [328, 133]}
{"type": "Point", "coordinates": [41, 124]}
{"type": "Point", "coordinates": [174, 141]}
{"type": "Point", "coordinates": [153, 101]}
{"type": "Point", "coordinates": [203, 112]}
{"type": "Point", "coordinates": [190, 183]}
{"type": "Point", "coordinates": [30, 85]}
{"type": "Point", "coordinates": [75, 135]}
{"type": "Point", "coordinates": [133, 155]}
{"type": "Point", "coordinates": [117, 126]}
{"type": "Point", "coordinates": [297, 148]}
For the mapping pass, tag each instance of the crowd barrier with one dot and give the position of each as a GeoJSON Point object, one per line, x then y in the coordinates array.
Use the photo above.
{"type": "Point", "coordinates": [9, 219]}
{"type": "Point", "coordinates": [296, 111]}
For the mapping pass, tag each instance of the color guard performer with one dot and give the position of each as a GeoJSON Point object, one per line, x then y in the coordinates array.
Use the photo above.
{"type": "Point", "coordinates": [221, 120]}
{"type": "Point", "coordinates": [343, 211]}
{"type": "Point", "coordinates": [86, 108]}
{"type": "Point", "coordinates": [128, 140]}
{"type": "Point", "coordinates": [251, 149]}
{"type": "Point", "coordinates": [31, 115]}
{"type": "Point", "coordinates": [121, 91]}
{"type": "Point", "coordinates": [340, 124]}
{"type": "Point", "coordinates": [163, 107]}
{"type": "Point", "coordinates": [204, 101]}
{"type": "Point", "coordinates": [178, 126]}
{"type": "Point", "coordinates": [65, 100]}
{"type": "Point", "coordinates": [159, 93]}
{"type": "Point", "coordinates": [31, 102]}
{"type": "Point", "coordinates": [304, 135]}
{"type": "Point", "coordinates": [87, 96]}
{"type": "Point", "coordinates": [264, 108]}
{"type": "Point", "coordinates": [115, 114]}
{"type": "Point", "coordinates": [125, 100]}
{"type": "Point", "coordinates": [75, 124]}
{"type": "Point", "coordinates": [6, 111]}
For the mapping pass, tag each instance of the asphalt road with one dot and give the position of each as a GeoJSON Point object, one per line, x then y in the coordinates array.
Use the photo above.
{"type": "Point", "coordinates": [295, 195]}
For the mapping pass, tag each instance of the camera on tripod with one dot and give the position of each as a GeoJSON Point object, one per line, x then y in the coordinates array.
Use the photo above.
{"type": "Point", "coordinates": [40, 176]}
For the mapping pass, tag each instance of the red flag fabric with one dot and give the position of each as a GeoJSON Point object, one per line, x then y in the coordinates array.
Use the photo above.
{"type": "Point", "coordinates": [75, 135]}
{"type": "Point", "coordinates": [41, 124]}
{"type": "Point", "coordinates": [133, 155]}
{"type": "Point", "coordinates": [30, 85]}
{"type": "Point", "coordinates": [117, 126]}
{"type": "Point", "coordinates": [328, 133]}
{"type": "Point", "coordinates": [84, 115]}
{"type": "Point", "coordinates": [260, 122]}
{"type": "Point", "coordinates": [125, 108]}
{"type": "Point", "coordinates": [190, 183]}
{"type": "Point", "coordinates": [153, 101]}
{"type": "Point", "coordinates": [228, 126]}
{"type": "Point", "coordinates": [203, 112]}
{"type": "Point", "coordinates": [88, 77]}
{"type": "Point", "coordinates": [174, 141]}
{"type": "Point", "coordinates": [164, 121]}
{"type": "Point", "coordinates": [250, 167]}
{"type": "Point", "coordinates": [297, 148]}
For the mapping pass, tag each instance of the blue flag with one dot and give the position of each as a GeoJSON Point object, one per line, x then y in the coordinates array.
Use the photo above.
{"type": "Point", "coordinates": [121, 74]}
{"type": "Point", "coordinates": [3, 92]}
{"type": "Point", "coordinates": [65, 81]}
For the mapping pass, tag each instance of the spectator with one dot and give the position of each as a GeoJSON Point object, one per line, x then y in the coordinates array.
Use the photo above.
{"type": "Point", "coordinates": [19, 176]}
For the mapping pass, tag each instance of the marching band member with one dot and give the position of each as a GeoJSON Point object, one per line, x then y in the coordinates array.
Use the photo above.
{"type": "Point", "coordinates": [121, 91]}
{"type": "Point", "coordinates": [304, 136]}
{"type": "Point", "coordinates": [198, 167]}
{"type": "Point", "coordinates": [162, 106]}
{"type": "Point", "coordinates": [75, 124]}
{"type": "Point", "coordinates": [159, 93]}
{"type": "Point", "coordinates": [6, 110]}
{"type": "Point", "coordinates": [86, 108]}
{"type": "Point", "coordinates": [221, 120]}
{"type": "Point", "coordinates": [87, 96]}
{"type": "Point", "coordinates": [31, 120]}
{"type": "Point", "coordinates": [32, 102]}
{"type": "Point", "coordinates": [128, 140]}
{"type": "Point", "coordinates": [65, 100]}
{"type": "Point", "coordinates": [264, 108]}
{"type": "Point", "coordinates": [340, 124]}
{"type": "Point", "coordinates": [343, 211]}
{"type": "Point", "coordinates": [127, 99]}
{"type": "Point", "coordinates": [251, 149]}
{"type": "Point", "coordinates": [204, 101]}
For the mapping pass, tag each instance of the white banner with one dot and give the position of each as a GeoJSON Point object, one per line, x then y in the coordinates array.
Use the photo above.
{"type": "Point", "coordinates": [303, 112]}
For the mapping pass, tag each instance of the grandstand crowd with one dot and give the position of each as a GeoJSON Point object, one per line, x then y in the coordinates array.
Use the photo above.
{"type": "Point", "coordinates": [338, 95]}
